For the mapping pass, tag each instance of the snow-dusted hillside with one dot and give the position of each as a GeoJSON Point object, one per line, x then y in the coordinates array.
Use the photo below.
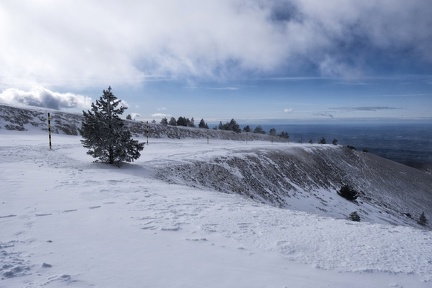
{"type": "Point", "coordinates": [25, 119]}
{"type": "Point", "coordinates": [189, 213]}
{"type": "Point", "coordinates": [307, 177]}
{"type": "Point", "coordinates": [35, 119]}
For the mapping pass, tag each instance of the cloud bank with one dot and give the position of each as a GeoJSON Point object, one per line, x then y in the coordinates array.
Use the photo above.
{"type": "Point", "coordinates": [42, 97]}
{"type": "Point", "coordinates": [79, 43]}
{"type": "Point", "coordinates": [364, 108]}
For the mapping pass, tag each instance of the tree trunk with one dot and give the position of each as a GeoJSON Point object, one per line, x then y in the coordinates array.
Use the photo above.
{"type": "Point", "coordinates": [111, 155]}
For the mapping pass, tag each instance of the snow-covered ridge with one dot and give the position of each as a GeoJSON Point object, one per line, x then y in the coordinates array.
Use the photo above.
{"type": "Point", "coordinates": [31, 119]}
{"type": "Point", "coordinates": [306, 177]}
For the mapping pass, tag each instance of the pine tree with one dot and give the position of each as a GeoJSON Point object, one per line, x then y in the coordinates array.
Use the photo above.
{"type": "Point", "coordinates": [105, 134]}
{"type": "Point", "coordinates": [272, 132]}
{"type": "Point", "coordinates": [230, 126]}
{"type": "Point", "coordinates": [259, 130]}
{"type": "Point", "coordinates": [203, 124]}
{"type": "Point", "coordinates": [172, 122]}
{"type": "Point", "coordinates": [182, 121]}
{"type": "Point", "coordinates": [284, 135]}
{"type": "Point", "coordinates": [191, 122]}
{"type": "Point", "coordinates": [247, 128]}
{"type": "Point", "coordinates": [164, 121]}
{"type": "Point", "coordinates": [233, 126]}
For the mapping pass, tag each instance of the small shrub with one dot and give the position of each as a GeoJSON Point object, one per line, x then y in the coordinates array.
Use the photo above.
{"type": "Point", "coordinates": [351, 147]}
{"type": "Point", "coordinates": [354, 217]}
{"type": "Point", "coordinates": [422, 219]}
{"type": "Point", "coordinates": [348, 193]}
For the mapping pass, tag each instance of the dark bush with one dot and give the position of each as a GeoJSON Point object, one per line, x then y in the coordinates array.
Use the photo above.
{"type": "Point", "coordinates": [422, 219]}
{"type": "Point", "coordinates": [348, 192]}
{"type": "Point", "coordinates": [354, 216]}
{"type": "Point", "coordinates": [351, 147]}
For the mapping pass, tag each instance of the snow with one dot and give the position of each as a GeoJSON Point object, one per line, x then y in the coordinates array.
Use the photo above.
{"type": "Point", "coordinates": [66, 221]}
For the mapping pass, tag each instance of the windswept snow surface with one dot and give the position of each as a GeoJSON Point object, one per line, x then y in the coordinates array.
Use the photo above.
{"type": "Point", "coordinates": [66, 221]}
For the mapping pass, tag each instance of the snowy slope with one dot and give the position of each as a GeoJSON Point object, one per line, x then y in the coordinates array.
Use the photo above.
{"type": "Point", "coordinates": [36, 119]}
{"type": "Point", "coordinates": [66, 221]}
{"type": "Point", "coordinates": [307, 178]}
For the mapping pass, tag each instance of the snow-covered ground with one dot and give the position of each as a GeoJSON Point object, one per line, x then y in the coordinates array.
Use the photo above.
{"type": "Point", "coordinates": [66, 221]}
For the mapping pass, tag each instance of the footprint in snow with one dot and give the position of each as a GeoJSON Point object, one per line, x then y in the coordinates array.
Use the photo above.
{"type": "Point", "coordinates": [174, 228]}
{"type": "Point", "coordinates": [43, 214]}
{"type": "Point", "coordinates": [149, 227]}
{"type": "Point", "coordinates": [94, 207]}
{"type": "Point", "coordinates": [244, 225]}
{"type": "Point", "coordinates": [8, 216]}
{"type": "Point", "coordinates": [71, 210]}
{"type": "Point", "coordinates": [196, 239]}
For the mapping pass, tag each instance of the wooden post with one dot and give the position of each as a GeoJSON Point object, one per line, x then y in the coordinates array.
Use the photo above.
{"type": "Point", "coordinates": [147, 131]}
{"type": "Point", "coordinates": [49, 129]}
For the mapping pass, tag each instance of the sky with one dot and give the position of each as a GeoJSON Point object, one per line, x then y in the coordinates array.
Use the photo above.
{"type": "Point", "coordinates": [251, 60]}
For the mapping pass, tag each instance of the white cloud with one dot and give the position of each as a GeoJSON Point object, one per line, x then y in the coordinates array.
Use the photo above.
{"type": "Point", "coordinates": [229, 88]}
{"type": "Point", "coordinates": [78, 43]}
{"type": "Point", "coordinates": [135, 116]}
{"type": "Point", "coordinates": [288, 110]}
{"type": "Point", "coordinates": [42, 97]}
{"type": "Point", "coordinates": [160, 115]}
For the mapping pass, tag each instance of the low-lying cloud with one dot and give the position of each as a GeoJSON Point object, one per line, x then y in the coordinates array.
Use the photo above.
{"type": "Point", "coordinates": [363, 108]}
{"type": "Point", "coordinates": [160, 115]}
{"type": "Point", "coordinates": [42, 97]}
{"type": "Point", "coordinates": [324, 114]}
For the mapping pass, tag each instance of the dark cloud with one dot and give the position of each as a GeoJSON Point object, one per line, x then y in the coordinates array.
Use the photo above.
{"type": "Point", "coordinates": [285, 11]}
{"type": "Point", "coordinates": [324, 114]}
